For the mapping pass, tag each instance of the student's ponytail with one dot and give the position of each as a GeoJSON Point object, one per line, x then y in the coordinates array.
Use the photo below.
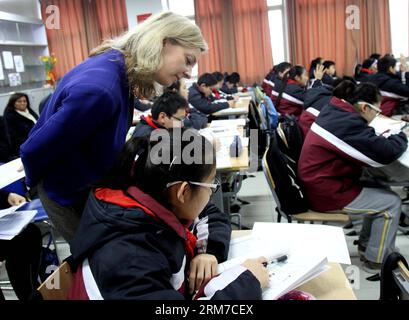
{"type": "Point", "coordinates": [133, 155]}
{"type": "Point", "coordinates": [283, 87]}
{"type": "Point", "coordinates": [344, 90]}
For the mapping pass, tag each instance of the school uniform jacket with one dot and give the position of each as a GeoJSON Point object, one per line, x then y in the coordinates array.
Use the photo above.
{"type": "Point", "coordinates": [392, 89]}
{"type": "Point", "coordinates": [203, 104]}
{"type": "Point", "coordinates": [131, 247]}
{"type": "Point", "coordinates": [339, 144]}
{"type": "Point", "coordinates": [270, 83]}
{"type": "Point", "coordinates": [220, 95]}
{"type": "Point", "coordinates": [315, 100]}
{"type": "Point", "coordinates": [364, 75]}
{"type": "Point", "coordinates": [18, 128]}
{"type": "Point", "coordinates": [292, 101]}
{"type": "Point", "coordinates": [228, 90]}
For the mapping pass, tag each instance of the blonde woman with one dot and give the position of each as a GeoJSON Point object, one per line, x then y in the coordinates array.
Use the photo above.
{"type": "Point", "coordinates": [85, 122]}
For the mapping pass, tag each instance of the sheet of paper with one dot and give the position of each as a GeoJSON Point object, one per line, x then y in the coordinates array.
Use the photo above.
{"type": "Point", "coordinates": [18, 61]}
{"type": "Point", "coordinates": [315, 240]}
{"type": "Point", "coordinates": [228, 123]}
{"type": "Point", "coordinates": [9, 172]}
{"type": "Point", "coordinates": [291, 274]}
{"type": "Point", "coordinates": [8, 60]}
{"type": "Point", "coordinates": [12, 209]}
{"type": "Point", "coordinates": [1, 71]}
{"type": "Point", "coordinates": [232, 111]}
{"type": "Point", "coordinates": [387, 126]}
{"type": "Point", "coordinates": [14, 79]}
{"type": "Point", "coordinates": [12, 224]}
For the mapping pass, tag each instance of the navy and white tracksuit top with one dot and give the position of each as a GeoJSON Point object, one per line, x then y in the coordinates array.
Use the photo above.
{"type": "Point", "coordinates": [338, 146]}
{"type": "Point", "coordinates": [131, 247]}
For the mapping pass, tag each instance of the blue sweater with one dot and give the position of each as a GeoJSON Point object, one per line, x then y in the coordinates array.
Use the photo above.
{"type": "Point", "coordinates": [81, 130]}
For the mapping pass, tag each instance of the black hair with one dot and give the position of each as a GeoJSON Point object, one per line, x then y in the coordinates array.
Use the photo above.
{"type": "Point", "coordinates": [344, 89]}
{"type": "Point", "coordinates": [282, 67]}
{"type": "Point", "coordinates": [164, 157]}
{"type": "Point", "coordinates": [314, 64]}
{"type": "Point", "coordinates": [218, 75]}
{"type": "Point", "coordinates": [375, 56]}
{"type": "Point", "coordinates": [291, 74]}
{"type": "Point", "coordinates": [235, 78]}
{"type": "Point", "coordinates": [169, 103]}
{"type": "Point", "coordinates": [385, 63]}
{"type": "Point", "coordinates": [357, 70]}
{"type": "Point", "coordinates": [207, 79]}
{"type": "Point", "coordinates": [328, 63]}
{"type": "Point", "coordinates": [12, 101]}
{"type": "Point", "coordinates": [367, 92]}
{"type": "Point", "coordinates": [368, 63]}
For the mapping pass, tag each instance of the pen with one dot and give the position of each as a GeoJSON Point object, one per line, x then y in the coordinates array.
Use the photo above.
{"type": "Point", "coordinates": [385, 132]}
{"type": "Point", "coordinates": [276, 260]}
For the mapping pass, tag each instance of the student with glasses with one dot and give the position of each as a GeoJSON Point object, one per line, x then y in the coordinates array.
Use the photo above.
{"type": "Point", "coordinates": [168, 111]}
{"type": "Point", "coordinates": [339, 145]}
{"type": "Point", "coordinates": [212, 226]}
{"type": "Point", "coordinates": [135, 239]}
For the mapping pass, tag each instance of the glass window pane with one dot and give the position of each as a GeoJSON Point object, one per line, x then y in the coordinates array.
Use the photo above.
{"type": "Point", "coordinates": [183, 7]}
{"type": "Point", "coordinates": [399, 27]}
{"type": "Point", "coordinates": [275, 19]}
{"type": "Point", "coordinates": [274, 3]}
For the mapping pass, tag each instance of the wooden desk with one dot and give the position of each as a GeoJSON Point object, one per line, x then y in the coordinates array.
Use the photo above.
{"type": "Point", "coordinates": [241, 108]}
{"type": "Point", "coordinates": [330, 285]}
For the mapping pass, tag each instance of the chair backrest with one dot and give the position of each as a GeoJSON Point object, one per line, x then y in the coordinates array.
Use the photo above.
{"type": "Point", "coordinates": [290, 137]}
{"type": "Point", "coordinates": [57, 285]}
{"type": "Point", "coordinates": [281, 175]}
{"type": "Point", "coordinates": [395, 278]}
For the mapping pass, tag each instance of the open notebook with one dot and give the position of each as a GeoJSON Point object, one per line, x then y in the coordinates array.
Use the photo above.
{"type": "Point", "coordinates": [284, 276]}
{"type": "Point", "coordinates": [387, 126]}
{"type": "Point", "coordinates": [12, 222]}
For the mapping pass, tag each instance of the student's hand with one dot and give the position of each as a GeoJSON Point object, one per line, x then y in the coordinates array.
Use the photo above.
{"type": "Point", "coordinates": [15, 199]}
{"type": "Point", "coordinates": [20, 169]}
{"type": "Point", "coordinates": [203, 267]}
{"type": "Point", "coordinates": [256, 267]}
{"type": "Point", "coordinates": [319, 72]}
{"type": "Point", "coordinates": [232, 103]}
{"type": "Point", "coordinates": [403, 64]}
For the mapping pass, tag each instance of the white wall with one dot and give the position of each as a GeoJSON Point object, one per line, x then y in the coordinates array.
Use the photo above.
{"type": "Point", "coordinates": [137, 7]}
{"type": "Point", "coordinates": [27, 8]}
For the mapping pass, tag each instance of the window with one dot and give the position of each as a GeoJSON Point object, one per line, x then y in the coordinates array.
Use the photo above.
{"type": "Point", "coordinates": [185, 8]}
{"type": "Point", "coordinates": [278, 30]}
{"type": "Point", "coordinates": [399, 27]}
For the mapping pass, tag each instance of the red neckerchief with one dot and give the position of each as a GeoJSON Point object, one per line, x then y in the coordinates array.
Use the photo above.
{"type": "Point", "coordinates": [216, 94]}
{"type": "Point", "coordinates": [152, 208]}
{"type": "Point", "coordinates": [291, 81]}
{"type": "Point", "coordinates": [369, 71]}
{"type": "Point", "coordinates": [150, 121]}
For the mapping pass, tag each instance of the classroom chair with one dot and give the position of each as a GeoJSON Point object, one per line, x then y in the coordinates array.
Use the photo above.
{"type": "Point", "coordinates": [308, 215]}
{"type": "Point", "coordinates": [394, 278]}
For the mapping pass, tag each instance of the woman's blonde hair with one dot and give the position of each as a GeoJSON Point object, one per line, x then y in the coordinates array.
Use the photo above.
{"type": "Point", "coordinates": [142, 47]}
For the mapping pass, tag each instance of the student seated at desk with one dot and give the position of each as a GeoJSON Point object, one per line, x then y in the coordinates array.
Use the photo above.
{"type": "Point", "coordinates": [134, 240]}
{"type": "Point", "coordinates": [168, 111]}
{"type": "Point", "coordinates": [231, 83]}
{"type": "Point", "coordinates": [317, 98]}
{"type": "Point", "coordinates": [369, 67]}
{"type": "Point", "coordinates": [390, 84]}
{"type": "Point", "coordinates": [200, 97]}
{"type": "Point", "coordinates": [290, 99]}
{"type": "Point", "coordinates": [22, 253]}
{"type": "Point", "coordinates": [217, 93]}
{"type": "Point", "coordinates": [216, 224]}
{"type": "Point", "coordinates": [329, 74]}
{"type": "Point", "coordinates": [337, 148]}
{"type": "Point", "coordinates": [274, 78]}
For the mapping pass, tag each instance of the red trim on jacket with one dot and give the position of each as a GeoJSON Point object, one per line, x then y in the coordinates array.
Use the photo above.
{"type": "Point", "coordinates": [368, 71]}
{"type": "Point", "coordinates": [291, 81]}
{"type": "Point", "coordinates": [150, 122]}
{"type": "Point", "coordinates": [216, 94]}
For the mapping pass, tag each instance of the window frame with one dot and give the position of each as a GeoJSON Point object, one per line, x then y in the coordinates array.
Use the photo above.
{"type": "Point", "coordinates": [283, 8]}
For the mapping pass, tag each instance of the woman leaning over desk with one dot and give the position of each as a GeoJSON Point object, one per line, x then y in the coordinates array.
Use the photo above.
{"type": "Point", "coordinates": [86, 120]}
